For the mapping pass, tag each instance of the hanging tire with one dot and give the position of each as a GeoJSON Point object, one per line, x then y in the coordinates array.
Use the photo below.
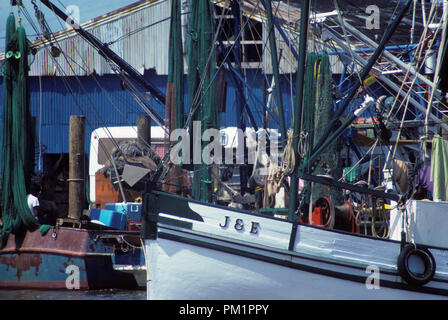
{"type": "Point", "coordinates": [408, 273]}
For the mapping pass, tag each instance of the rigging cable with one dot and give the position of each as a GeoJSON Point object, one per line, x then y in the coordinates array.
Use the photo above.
{"type": "Point", "coordinates": [98, 83]}
{"type": "Point", "coordinates": [69, 88]}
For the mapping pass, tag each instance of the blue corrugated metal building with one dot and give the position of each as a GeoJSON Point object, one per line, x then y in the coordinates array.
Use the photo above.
{"type": "Point", "coordinates": [104, 102]}
{"type": "Point", "coordinates": [81, 82]}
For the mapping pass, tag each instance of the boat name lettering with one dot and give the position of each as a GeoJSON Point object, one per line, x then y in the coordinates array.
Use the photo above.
{"type": "Point", "coordinates": [239, 225]}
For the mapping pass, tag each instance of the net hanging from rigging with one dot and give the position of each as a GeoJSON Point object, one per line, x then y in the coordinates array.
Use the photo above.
{"type": "Point", "coordinates": [17, 159]}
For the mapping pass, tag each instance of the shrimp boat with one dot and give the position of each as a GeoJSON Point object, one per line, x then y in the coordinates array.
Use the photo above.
{"type": "Point", "coordinates": [210, 252]}
{"type": "Point", "coordinates": [197, 249]}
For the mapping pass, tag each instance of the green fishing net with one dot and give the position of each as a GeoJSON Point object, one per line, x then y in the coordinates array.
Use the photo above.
{"type": "Point", "coordinates": [17, 144]}
{"type": "Point", "coordinates": [201, 85]}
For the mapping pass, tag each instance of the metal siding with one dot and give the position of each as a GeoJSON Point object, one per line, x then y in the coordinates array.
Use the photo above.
{"type": "Point", "coordinates": [144, 50]}
{"type": "Point", "coordinates": [96, 104]}
{"type": "Point", "coordinates": [58, 104]}
{"type": "Point", "coordinates": [148, 48]}
{"type": "Point", "coordinates": [88, 99]}
{"type": "Point", "coordinates": [254, 100]}
{"type": "Point", "coordinates": [288, 63]}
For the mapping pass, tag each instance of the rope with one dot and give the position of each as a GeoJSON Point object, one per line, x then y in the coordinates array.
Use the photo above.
{"type": "Point", "coordinates": [66, 83]}
{"type": "Point", "coordinates": [407, 96]}
{"type": "Point", "coordinates": [382, 215]}
{"type": "Point", "coordinates": [423, 40]}
{"type": "Point", "coordinates": [128, 243]}
{"type": "Point", "coordinates": [288, 157]}
{"type": "Point", "coordinates": [372, 148]}
{"type": "Point", "coordinates": [43, 22]}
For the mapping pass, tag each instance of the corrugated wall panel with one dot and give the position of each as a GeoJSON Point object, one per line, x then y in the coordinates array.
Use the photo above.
{"type": "Point", "coordinates": [108, 105]}
{"type": "Point", "coordinates": [144, 49]}
{"type": "Point", "coordinates": [113, 106]}
{"type": "Point", "coordinates": [288, 63]}
{"type": "Point", "coordinates": [140, 37]}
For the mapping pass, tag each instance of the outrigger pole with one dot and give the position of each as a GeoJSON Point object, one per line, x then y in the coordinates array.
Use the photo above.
{"type": "Point", "coordinates": [297, 126]}
{"type": "Point", "coordinates": [106, 52]}
{"type": "Point", "coordinates": [326, 139]}
{"type": "Point", "coordinates": [275, 72]}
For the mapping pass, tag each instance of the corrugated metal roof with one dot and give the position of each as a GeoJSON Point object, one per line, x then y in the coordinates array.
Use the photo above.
{"type": "Point", "coordinates": [139, 34]}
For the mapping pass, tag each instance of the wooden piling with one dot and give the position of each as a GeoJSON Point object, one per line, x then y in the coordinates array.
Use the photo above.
{"type": "Point", "coordinates": [76, 181]}
{"type": "Point", "coordinates": [144, 130]}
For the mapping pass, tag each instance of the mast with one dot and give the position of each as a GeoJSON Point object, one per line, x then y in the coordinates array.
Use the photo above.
{"type": "Point", "coordinates": [240, 103]}
{"type": "Point", "coordinates": [174, 107]}
{"type": "Point", "coordinates": [275, 73]}
{"type": "Point", "coordinates": [282, 34]}
{"type": "Point", "coordinates": [176, 69]}
{"type": "Point", "coordinates": [304, 12]}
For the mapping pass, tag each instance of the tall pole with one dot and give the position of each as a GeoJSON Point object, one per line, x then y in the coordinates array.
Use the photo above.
{"type": "Point", "coordinates": [241, 101]}
{"type": "Point", "coordinates": [76, 195]}
{"type": "Point", "coordinates": [304, 13]}
{"type": "Point", "coordinates": [275, 72]}
{"type": "Point", "coordinates": [144, 130]}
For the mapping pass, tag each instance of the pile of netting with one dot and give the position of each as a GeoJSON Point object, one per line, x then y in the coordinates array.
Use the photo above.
{"type": "Point", "coordinates": [318, 112]}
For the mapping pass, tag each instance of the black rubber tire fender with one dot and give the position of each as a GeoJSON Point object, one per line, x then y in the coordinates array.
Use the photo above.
{"type": "Point", "coordinates": [403, 264]}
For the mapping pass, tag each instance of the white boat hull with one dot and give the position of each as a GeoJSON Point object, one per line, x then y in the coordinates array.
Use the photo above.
{"type": "Point", "coordinates": [229, 254]}
{"type": "Point", "coordinates": [187, 272]}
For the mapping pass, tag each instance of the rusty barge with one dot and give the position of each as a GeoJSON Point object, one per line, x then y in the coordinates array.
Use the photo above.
{"type": "Point", "coordinates": [72, 258]}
